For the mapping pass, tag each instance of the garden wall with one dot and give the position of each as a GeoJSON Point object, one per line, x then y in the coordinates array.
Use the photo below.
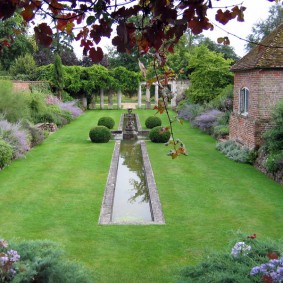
{"type": "Point", "coordinates": [21, 86]}
{"type": "Point", "coordinates": [259, 164]}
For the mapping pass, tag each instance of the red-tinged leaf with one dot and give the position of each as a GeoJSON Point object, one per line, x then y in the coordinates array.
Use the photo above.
{"type": "Point", "coordinates": [223, 17]}
{"type": "Point", "coordinates": [80, 18]}
{"type": "Point", "coordinates": [56, 7]}
{"type": "Point", "coordinates": [143, 44]}
{"type": "Point", "coordinates": [82, 34]}
{"type": "Point", "coordinates": [160, 107]}
{"type": "Point", "coordinates": [267, 279]}
{"type": "Point", "coordinates": [181, 150]}
{"type": "Point", "coordinates": [252, 236]}
{"type": "Point", "coordinates": [7, 9]}
{"type": "Point", "coordinates": [226, 41]}
{"type": "Point", "coordinates": [171, 48]}
{"type": "Point", "coordinates": [189, 14]}
{"type": "Point", "coordinates": [86, 44]}
{"type": "Point", "coordinates": [272, 255]}
{"type": "Point", "coordinates": [174, 155]}
{"type": "Point", "coordinates": [195, 26]}
{"type": "Point", "coordinates": [96, 55]}
{"type": "Point", "coordinates": [28, 13]}
{"type": "Point", "coordinates": [43, 34]}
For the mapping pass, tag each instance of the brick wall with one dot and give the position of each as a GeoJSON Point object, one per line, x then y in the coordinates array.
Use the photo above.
{"type": "Point", "coordinates": [265, 91]}
{"type": "Point", "coordinates": [20, 86]}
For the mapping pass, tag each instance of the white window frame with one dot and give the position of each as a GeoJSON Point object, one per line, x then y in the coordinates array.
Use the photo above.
{"type": "Point", "coordinates": [244, 101]}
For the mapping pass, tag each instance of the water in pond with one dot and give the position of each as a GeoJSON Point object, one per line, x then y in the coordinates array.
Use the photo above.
{"type": "Point", "coordinates": [131, 200]}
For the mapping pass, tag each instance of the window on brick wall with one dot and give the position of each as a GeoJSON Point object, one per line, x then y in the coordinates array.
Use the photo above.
{"type": "Point", "coordinates": [244, 101]}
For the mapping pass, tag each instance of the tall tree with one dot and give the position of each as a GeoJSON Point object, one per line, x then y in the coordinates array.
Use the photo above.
{"type": "Point", "coordinates": [14, 32]}
{"type": "Point", "coordinates": [227, 51]}
{"type": "Point", "coordinates": [168, 20]}
{"type": "Point", "coordinates": [264, 27]}
{"type": "Point", "coordinates": [58, 75]}
{"type": "Point", "coordinates": [210, 74]}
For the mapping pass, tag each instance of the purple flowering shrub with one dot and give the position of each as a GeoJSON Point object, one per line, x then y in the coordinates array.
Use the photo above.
{"type": "Point", "coordinates": [16, 137]}
{"type": "Point", "coordinates": [8, 258]}
{"type": "Point", "coordinates": [248, 260]}
{"type": "Point", "coordinates": [51, 100]}
{"type": "Point", "coordinates": [207, 120]}
{"type": "Point", "coordinates": [190, 111]}
{"type": "Point", "coordinates": [71, 107]}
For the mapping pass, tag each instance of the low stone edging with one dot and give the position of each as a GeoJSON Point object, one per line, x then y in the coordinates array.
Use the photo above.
{"type": "Point", "coordinates": [108, 198]}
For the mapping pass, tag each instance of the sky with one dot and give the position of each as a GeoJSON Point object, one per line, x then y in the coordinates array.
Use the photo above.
{"type": "Point", "coordinates": [255, 10]}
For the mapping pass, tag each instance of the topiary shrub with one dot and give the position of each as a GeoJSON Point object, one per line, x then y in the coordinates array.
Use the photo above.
{"type": "Point", "coordinates": [100, 134]}
{"type": "Point", "coordinates": [158, 135]}
{"type": "Point", "coordinates": [152, 121]}
{"type": "Point", "coordinates": [6, 154]}
{"type": "Point", "coordinates": [107, 122]}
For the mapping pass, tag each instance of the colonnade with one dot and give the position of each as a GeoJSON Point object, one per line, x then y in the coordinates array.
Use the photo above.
{"type": "Point", "coordinates": [147, 96]}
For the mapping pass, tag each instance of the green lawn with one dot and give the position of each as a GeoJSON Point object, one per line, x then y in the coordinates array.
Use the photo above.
{"type": "Point", "coordinates": [56, 193]}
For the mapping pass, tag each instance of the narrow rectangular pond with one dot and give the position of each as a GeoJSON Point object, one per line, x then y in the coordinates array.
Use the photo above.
{"type": "Point", "coordinates": [131, 198]}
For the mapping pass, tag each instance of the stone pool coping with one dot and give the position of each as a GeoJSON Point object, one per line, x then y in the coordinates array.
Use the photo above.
{"type": "Point", "coordinates": [108, 198]}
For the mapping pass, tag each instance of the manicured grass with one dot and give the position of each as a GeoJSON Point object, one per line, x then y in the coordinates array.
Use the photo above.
{"type": "Point", "coordinates": [56, 193]}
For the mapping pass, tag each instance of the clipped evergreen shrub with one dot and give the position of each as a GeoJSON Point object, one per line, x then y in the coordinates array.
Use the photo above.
{"type": "Point", "coordinates": [248, 259]}
{"type": "Point", "coordinates": [152, 121]}
{"type": "Point", "coordinates": [158, 135]}
{"type": "Point", "coordinates": [107, 122]}
{"type": "Point", "coordinates": [45, 261]}
{"type": "Point", "coordinates": [6, 153]}
{"type": "Point", "coordinates": [100, 134]}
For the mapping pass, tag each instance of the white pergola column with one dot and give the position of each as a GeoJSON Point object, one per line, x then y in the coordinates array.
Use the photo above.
{"type": "Point", "coordinates": [147, 97]}
{"type": "Point", "coordinates": [101, 98]}
{"type": "Point", "coordinates": [140, 97]}
{"type": "Point", "coordinates": [174, 92]}
{"type": "Point", "coordinates": [156, 94]}
{"type": "Point", "coordinates": [119, 99]}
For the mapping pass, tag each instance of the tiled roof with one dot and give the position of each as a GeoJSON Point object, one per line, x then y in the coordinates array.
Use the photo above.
{"type": "Point", "coordinates": [265, 55]}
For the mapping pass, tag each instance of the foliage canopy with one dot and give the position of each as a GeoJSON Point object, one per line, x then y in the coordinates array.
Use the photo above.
{"type": "Point", "coordinates": [96, 19]}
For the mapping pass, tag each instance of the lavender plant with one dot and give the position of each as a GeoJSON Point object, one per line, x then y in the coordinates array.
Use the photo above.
{"type": "Point", "coordinates": [190, 111]}
{"type": "Point", "coordinates": [207, 120]}
{"type": "Point", "coordinates": [71, 107]}
{"type": "Point", "coordinates": [15, 136]}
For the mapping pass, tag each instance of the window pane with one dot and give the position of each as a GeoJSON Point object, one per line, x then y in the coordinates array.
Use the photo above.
{"type": "Point", "coordinates": [247, 101]}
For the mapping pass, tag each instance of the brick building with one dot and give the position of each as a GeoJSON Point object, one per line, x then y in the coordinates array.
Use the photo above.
{"type": "Point", "coordinates": [258, 86]}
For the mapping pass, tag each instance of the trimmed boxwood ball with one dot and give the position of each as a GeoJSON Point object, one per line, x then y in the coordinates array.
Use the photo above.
{"type": "Point", "coordinates": [152, 121]}
{"type": "Point", "coordinates": [107, 122]}
{"type": "Point", "coordinates": [6, 154]}
{"type": "Point", "coordinates": [100, 134]}
{"type": "Point", "coordinates": [158, 136]}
